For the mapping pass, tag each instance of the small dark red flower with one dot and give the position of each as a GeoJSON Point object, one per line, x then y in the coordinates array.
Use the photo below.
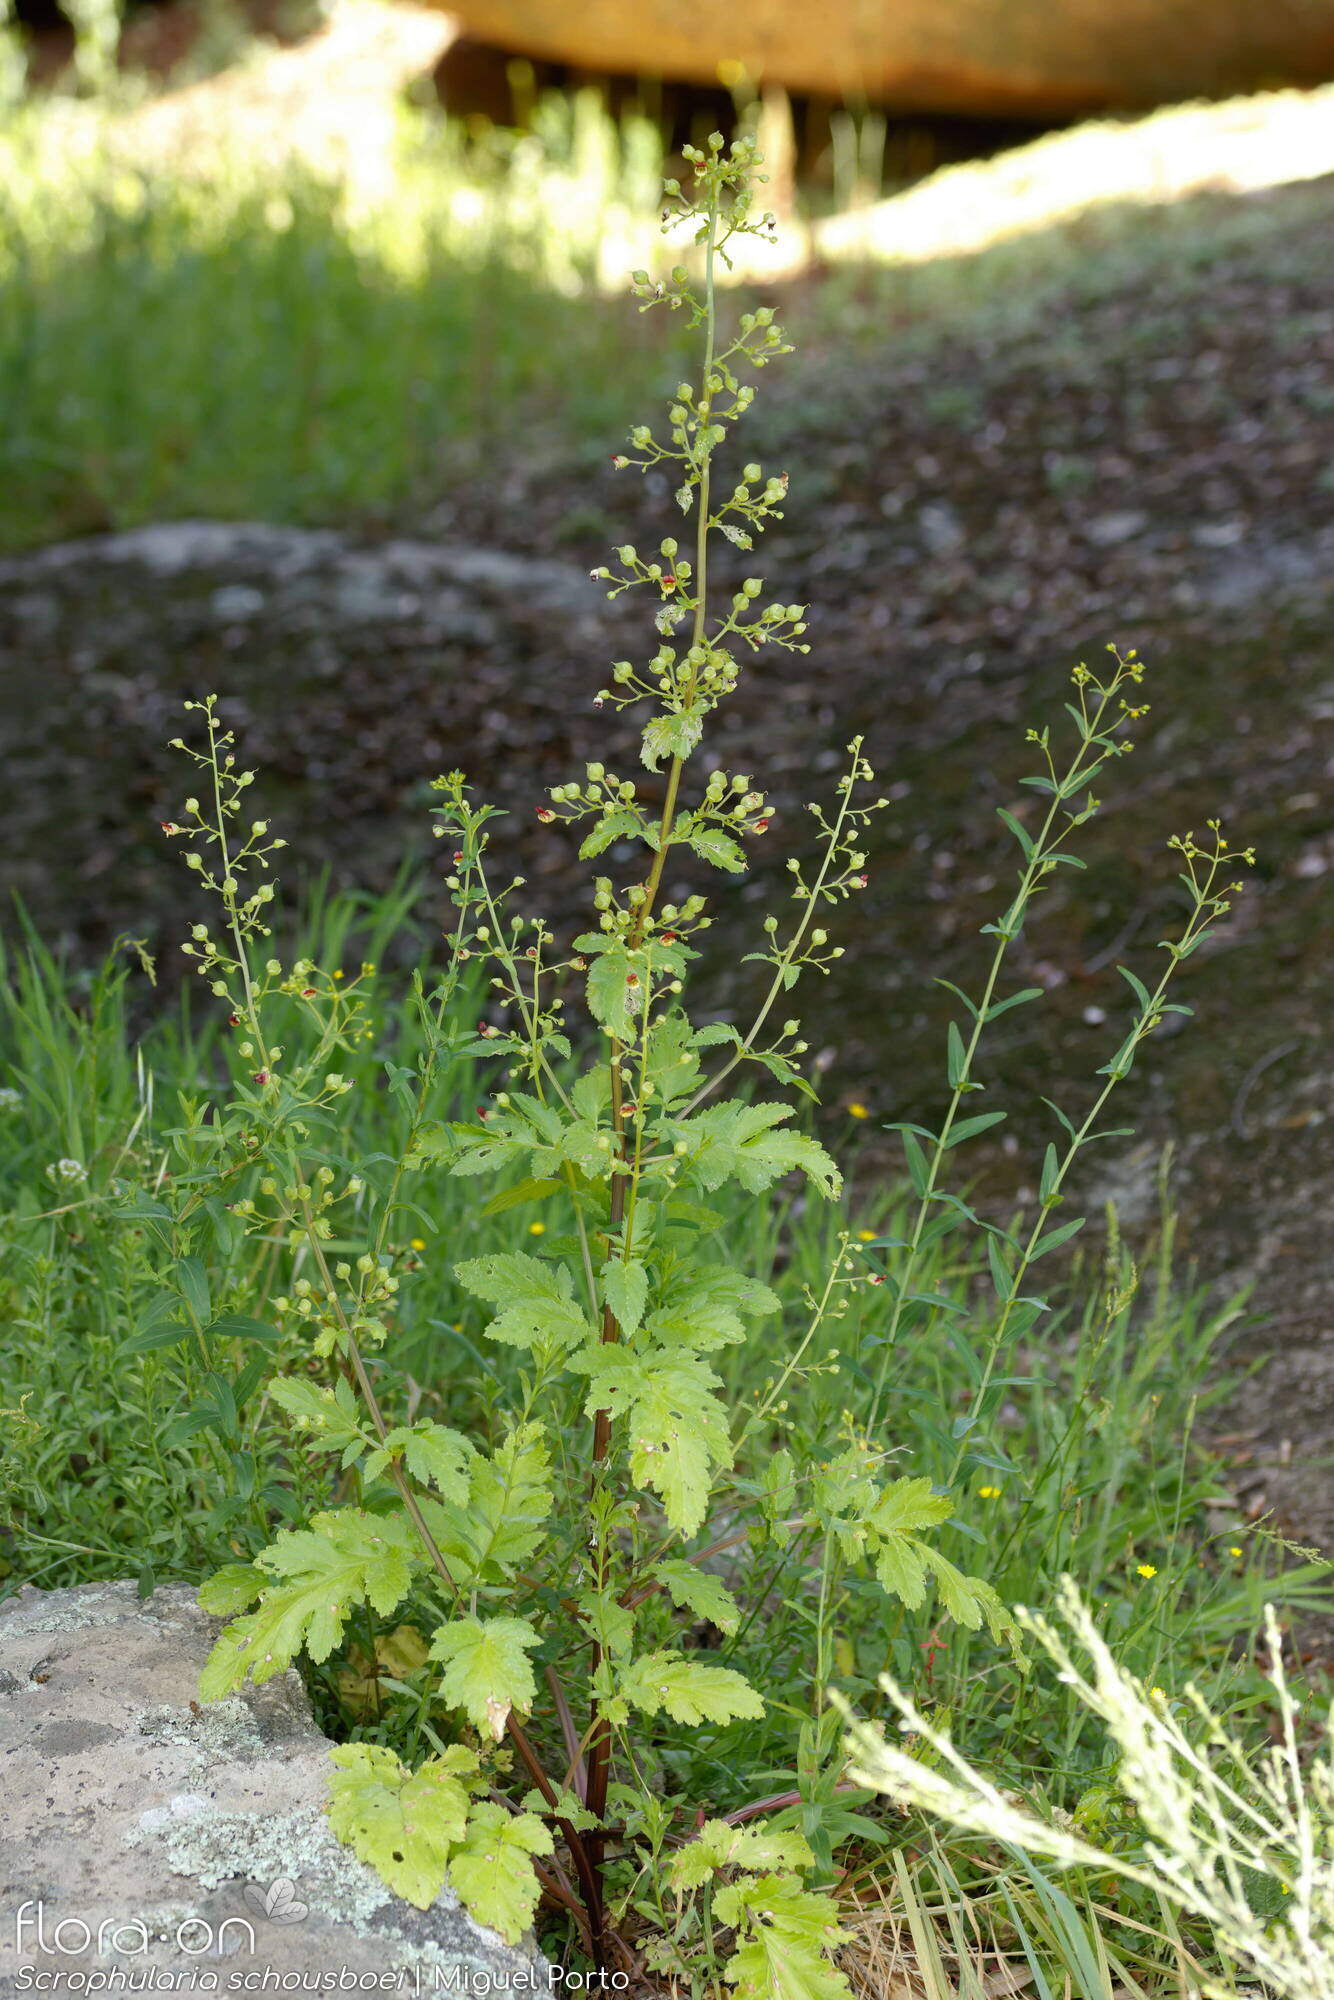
{"type": "Point", "coordinates": [261, 1076]}
{"type": "Point", "coordinates": [544, 813]}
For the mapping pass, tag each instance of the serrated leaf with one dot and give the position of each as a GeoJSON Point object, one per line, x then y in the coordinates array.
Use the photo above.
{"type": "Point", "coordinates": [319, 1574]}
{"type": "Point", "coordinates": [670, 736]}
{"type": "Point", "coordinates": [612, 1002]}
{"type": "Point", "coordinates": [435, 1456]}
{"type": "Point", "coordinates": [625, 1288]}
{"type": "Point", "coordinates": [501, 1524]}
{"type": "Point", "coordinates": [536, 1299]}
{"type": "Point", "coordinates": [614, 825]}
{"type": "Point", "coordinates": [492, 1872]}
{"type": "Point", "coordinates": [907, 1506]}
{"type": "Point", "coordinates": [487, 1670]}
{"type": "Point", "coordinates": [317, 1410]}
{"type": "Point", "coordinates": [974, 1603]}
{"type": "Point", "coordinates": [693, 1589]}
{"type": "Point", "coordinates": [788, 1932]}
{"type": "Point", "coordinates": [713, 845]}
{"type": "Point", "coordinates": [689, 1693]}
{"type": "Point", "coordinates": [703, 1308]}
{"type": "Point", "coordinates": [719, 1845]}
{"type": "Point", "coordinates": [231, 1589]}
{"type": "Point", "coordinates": [402, 1824]}
{"type": "Point", "coordinates": [735, 1141]}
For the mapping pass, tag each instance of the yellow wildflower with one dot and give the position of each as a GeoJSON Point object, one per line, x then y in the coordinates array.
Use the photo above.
{"type": "Point", "coordinates": [858, 1111]}
{"type": "Point", "coordinates": [1145, 1569]}
{"type": "Point", "coordinates": [419, 1243]}
{"type": "Point", "coordinates": [537, 1229]}
{"type": "Point", "coordinates": [866, 1236]}
{"type": "Point", "coordinates": [988, 1492]}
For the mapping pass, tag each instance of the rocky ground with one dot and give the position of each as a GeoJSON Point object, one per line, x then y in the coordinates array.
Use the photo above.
{"type": "Point", "coordinates": [1148, 458]}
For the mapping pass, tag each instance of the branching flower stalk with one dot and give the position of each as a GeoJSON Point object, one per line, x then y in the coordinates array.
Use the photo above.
{"type": "Point", "coordinates": [1101, 715]}
{"type": "Point", "coordinates": [1208, 902]}
{"type": "Point", "coordinates": [507, 1549]}
{"type": "Point", "coordinates": [600, 1499]}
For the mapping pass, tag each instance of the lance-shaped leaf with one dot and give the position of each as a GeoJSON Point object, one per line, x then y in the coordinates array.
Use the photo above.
{"type": "Point", "coordinates": [492, 1872]}
{"type": "Point", "coordinates": [689, 1693]}
{"type": "Point", "coordinates": [487, 1670]}
{"type": "Point", "coordinates": [320, 1573]}
{"type": "Point", "coordinates": [402, 1824]}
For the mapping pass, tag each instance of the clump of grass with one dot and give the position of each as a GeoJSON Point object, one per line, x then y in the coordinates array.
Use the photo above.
{"type": "Point", "coordinates": [238, 338]}
{"type": "Point", "coordinates": [1236, 1839]}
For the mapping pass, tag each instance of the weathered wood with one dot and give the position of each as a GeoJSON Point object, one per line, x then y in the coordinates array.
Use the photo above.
{"type": "Point", "coordinates": [1044, 58]}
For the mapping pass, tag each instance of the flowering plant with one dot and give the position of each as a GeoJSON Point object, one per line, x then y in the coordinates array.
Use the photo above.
{"type": "Point", "coordinates": [574, 1559]}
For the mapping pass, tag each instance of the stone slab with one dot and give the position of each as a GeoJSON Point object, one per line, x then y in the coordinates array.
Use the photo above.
{"type": "Point", "coordinates": [144, 1838]}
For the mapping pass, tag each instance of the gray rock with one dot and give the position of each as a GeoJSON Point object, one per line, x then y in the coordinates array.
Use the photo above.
{"type": "Point", "coordinates": [1106, 530]}
{"type": "Point", "coordinates": [400, 578]}
{"type": "Point", "coordinates": [140, 1831]}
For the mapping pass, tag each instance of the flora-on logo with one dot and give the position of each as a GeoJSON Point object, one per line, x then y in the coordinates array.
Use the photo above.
{"type": "Point", "coordinates": [279, 1902]}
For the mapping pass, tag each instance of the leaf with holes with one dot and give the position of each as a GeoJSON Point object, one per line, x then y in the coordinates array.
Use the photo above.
{"type": "Point", "coordinates": [689, 1693]}
{"type": "Point", "coordinates": [401, 1823]}
{"type": "Point", "coordinates": [492, 1872]}
{"type": "Point", "coordinates": [487, 1670]}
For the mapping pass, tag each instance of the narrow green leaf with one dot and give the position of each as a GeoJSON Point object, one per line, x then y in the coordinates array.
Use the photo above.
{"type": "Point", "coordinates": [968, 1128]}
{"type": "Point", "coordinates": [513, 1197]}
{"type": "Point", "coordinates": [1052, 1239]}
